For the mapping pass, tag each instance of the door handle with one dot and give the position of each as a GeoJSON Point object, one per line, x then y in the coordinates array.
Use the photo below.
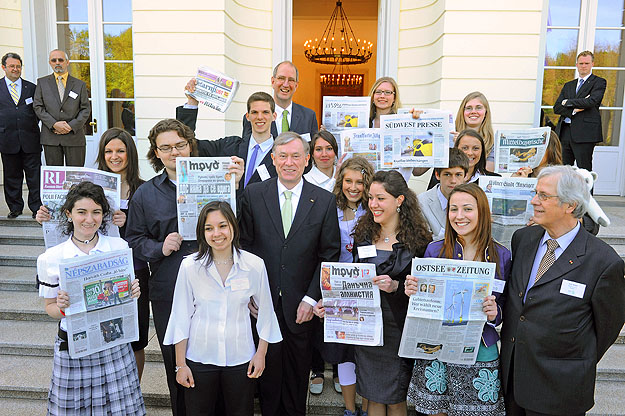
{"type": "Point", "coordinates": [94, 124]}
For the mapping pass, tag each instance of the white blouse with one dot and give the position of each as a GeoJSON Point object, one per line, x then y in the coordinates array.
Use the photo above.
{"type": "Point", "coordinates": [48, 262]}
{"type": "Point", "coordinates": [317, 177]}
{"type": "Point", "coordinates": [214, 317]}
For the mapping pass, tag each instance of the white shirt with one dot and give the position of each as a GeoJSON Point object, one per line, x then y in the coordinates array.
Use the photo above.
{"type": "Point", "coordinates": [280, 112]}
{"type": "Point", "coordinates": [441, 197]}
{"type": "Point", "coordinates": [213, 316]}
{"type": "Point", "coordinates": [265, 147]}
{"type": "Point", "coordinates": [48, 262]}
{"type": "Point", "coordinates": [317, 177]}
{"type": "Point", "coordinates": [18, 86]}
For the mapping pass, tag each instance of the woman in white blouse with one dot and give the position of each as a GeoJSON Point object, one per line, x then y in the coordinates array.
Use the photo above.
{"type": "Point", "coordinates": [324, 154]}
{"type": "Point", "coordinates": [210, 322]}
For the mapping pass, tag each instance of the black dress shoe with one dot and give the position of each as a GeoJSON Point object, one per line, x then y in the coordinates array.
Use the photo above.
{"type": "Point", "coordinates": [14, 214]}
{"type": "Point", "coordinates": [34, 215]}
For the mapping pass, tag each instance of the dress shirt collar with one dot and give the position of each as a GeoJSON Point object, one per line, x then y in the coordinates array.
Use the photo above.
{"type": "Point", "coordinates": [359, 212]}
{"type": "Point", "coordinates": [264, 146]}
{"type": "Point", "coordinates": [71, 249]}
{"type": "Point", "coordinates": [297, 189]}
{"type": "Point", "coordinates": [320, 177]}
{"type": "Point", "coordinates": [160, 179]}
{"type": "Point", "coordinates": [563, 241]}
{"type": "Point", "coordinates": [584, 78]}
{"type": "Point", "coordinates": [441, 197]}
{"type": "Point", "coordinates": [64, 76]}
{"type": "Point", "coordinates": [280, 110]}
{"type": "Point", "coordinates": [18, 83]}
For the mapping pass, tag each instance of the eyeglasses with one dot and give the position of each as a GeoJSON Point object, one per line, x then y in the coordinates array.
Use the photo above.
{"type": "Point", "coordinates": [543, 196]}
{"type": "Point", "coordinates": [384, 92]}
{"type": "Point", "coordinates": [284, 156]}
{"type": "Point", "coordinates": [282, 78]}
{"type": "Point", "coordinates": [477, 108]}
{"type": "Point", "coordinates": [57, 60]}
{"type": "Point", "coordinates": [179, 146]}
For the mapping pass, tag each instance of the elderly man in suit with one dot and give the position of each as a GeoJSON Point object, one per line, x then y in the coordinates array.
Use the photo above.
{"type": "Point", "coordinates": [579, 126]}
{"type": "Point", "coordinates": [433, 202]}
{"type": "Point", "coordinates": [292, 225]}
{"type": "Point", "coordinates": [62, 105]}
{"type": "Point", "coordinates": [564, 303]}
{"type": "Point", "coordinates": [19, 137]}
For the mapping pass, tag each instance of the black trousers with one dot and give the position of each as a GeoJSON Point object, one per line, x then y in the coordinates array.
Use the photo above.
{"type": "Point", "coordinates": [64, 155]}
{"type": "Point", "coordinates": [14, 168]}
{"type": "Point", "coordinates": [575, 152]}
{"type": "Point", "coordinates": [214, 384]}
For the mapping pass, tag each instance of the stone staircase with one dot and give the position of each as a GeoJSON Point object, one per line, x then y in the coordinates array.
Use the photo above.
{"type": "Point", "coordinates": [27, 335]}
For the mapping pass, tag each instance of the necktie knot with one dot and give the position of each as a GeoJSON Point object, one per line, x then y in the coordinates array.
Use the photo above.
{"type": "Point", "coordinates": [552, 244]}
{"type": "Point", "coordinates": [287, 195]}
{"type": "Point", "coordinates": [14, 84]}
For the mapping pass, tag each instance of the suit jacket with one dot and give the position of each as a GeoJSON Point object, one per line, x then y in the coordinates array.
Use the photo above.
{"type": "Point", "coordinates": [585, 125]}
{"type": "Point", "coordinates": [19, 127]}
{"type": "Point", "coordinates": [556, 340]}
{"type": "Point", "coordinates": [50, 109]}
{"type": "Point", "coordinates": [434, 214]}
{"type": "Point", "coordinates": [293, 261]}
{"type": "Point", "coordinates": [303, 120]}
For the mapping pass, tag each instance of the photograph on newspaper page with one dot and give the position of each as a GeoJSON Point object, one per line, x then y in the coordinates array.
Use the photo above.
{"type": "Point", "coordinates": [214, 89]}
{"type": "Point", "coordinates": [201, 180]}
{"type": "Point", "coordinates": [445, 317]}
{"type": "Point", "coordinates": [55, 184]}
{"type": "Point", "coordinates": [510, 205]}
{"type": "Point", "coordinates": [362, 142]}
{"type": "Point", "coordinates": [341, 113]}
{"type": "Point", "coordinates": [352, 304]}
{"type": "Point", "coordinates": [516, 149]}
{"type": "Point", "coordinates": [422, 142]}
{"type": "Point", "coordinates": [102, 314]}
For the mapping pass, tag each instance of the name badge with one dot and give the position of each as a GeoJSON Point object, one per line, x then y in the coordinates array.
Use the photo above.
{"type": "Point", "coordinates": [572, 288]}
{"type": "Point", "coordinates": [499, 285]}
{"type": "Point", "coordinates": [239, 284]}
{"type": "Point", "coordinates": [365, 252]}
{"type": "Point", "coordinates": [262, 172]}
{"type": "Point", "coordinates": [73, 95]}
{"type": "Point", "coordinates": [29, 100]}
{"type": "Point", "coordinates": [306, 136]}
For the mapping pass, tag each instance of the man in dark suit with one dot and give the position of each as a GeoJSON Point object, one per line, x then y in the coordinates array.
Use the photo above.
{"type": "Point", "coordinates": [62, 105]}
{"type": "Point", "coordinates": [563, 309]}
{"type": "Point", "coordinates": [579, 126]}
{"type": "Point", "coordinates": [19, 137]}
{"type": "Point", "coordinates": [292, 225]}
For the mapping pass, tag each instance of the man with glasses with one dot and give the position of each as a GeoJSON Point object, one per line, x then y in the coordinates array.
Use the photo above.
{"type": "Point", "coordinates": [62, 104]}
{"type": "Point", "coordinates": [564, 303]}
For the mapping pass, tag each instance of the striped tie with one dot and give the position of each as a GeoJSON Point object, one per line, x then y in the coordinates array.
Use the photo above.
{"type": "Point", "coordinates": [13, 91]}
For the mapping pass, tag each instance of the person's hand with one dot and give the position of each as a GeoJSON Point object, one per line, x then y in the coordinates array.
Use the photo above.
{"type": "Point", "coordinates": [322, 127]}
{"type": "Point", "coordinates": [411, 286]}
{"type": "Point", "coordinates": [319, 310]}
{"type": "Point", "coordinates": [135, 289]}
{"type": "Point", "coordinates": [61, 127]}
{"type": "Point", "coordinates": [338, 165]}
{"type": "Point", "coordinates": [523, 172]}
{"type": "Point", "coordinates": [190, 87]}
{"type": "Point", "coordinates": [119, 218]}
{"type": "Point", "coordinates": [257, 365]}
{"type": "Point", "coordinates": [62, 300]}
{"type": "Point", "coordinates": [236, 168]}
{"type": "Point", "coordinates": [530, 222]}
{"type": "Point", "coordinates": [415, 113]}
{"type": "Point", "coordinates": [172, 243]}
{"type": "Point", "coordinates": [42, 215]}
{"type": "Point", "coordinates": [455, 134]}
{"type": "Point", "coordinates": [489, 307]}
{"type": "Point", "coordinates": [253, 307]}
{"type": "Point", "coordinates": [385, 283]}
{"type": "Point", "coordinates": [184, 377]}
{"type": "Point", "coordinates": [578, 110]}
{"type": "Point", "coordinates": [304, 313]}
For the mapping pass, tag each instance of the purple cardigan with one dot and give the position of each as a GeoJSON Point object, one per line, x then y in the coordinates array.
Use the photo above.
{"type": "Point", "coordinates": [489, 334]}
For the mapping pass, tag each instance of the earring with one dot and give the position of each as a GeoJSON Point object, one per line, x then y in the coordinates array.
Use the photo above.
{"type": "Point", "coordinates": [398, 210]}
{"type": "Point", "coordinates": [70, 219]}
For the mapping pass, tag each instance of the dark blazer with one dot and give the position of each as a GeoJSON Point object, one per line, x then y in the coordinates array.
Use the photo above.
{"type": "Point", "coordinates": [303, 120]}
{"type": "Point", "coordinates": [556, 340]}
{"type": "Point", "coordinates": [293, 262]}
{"type": "Point", "coordinates": [50, 109]}
{"type": "Point", "coordinates": [19, 127]}
{"type": "Point", "coordinates": [586, 125]}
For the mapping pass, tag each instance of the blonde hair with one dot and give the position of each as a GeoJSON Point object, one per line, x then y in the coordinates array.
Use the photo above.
{"type": "Point", "coordinates": [486, 128]}
{"type": "Point", "coordinates": [396, 103]}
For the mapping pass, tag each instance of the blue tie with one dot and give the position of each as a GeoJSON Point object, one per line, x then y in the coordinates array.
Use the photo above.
{"type": "Point", "coordinates": [250, 165]}
{"type": "Point", "coordinates": [581, 82]}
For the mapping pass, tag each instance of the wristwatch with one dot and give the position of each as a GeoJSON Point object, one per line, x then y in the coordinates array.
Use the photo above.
{"type": "Point", "coordinates": [179, 367]}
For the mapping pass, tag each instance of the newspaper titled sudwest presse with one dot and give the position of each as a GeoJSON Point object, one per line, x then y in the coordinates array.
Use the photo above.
{"type": "Point", "coordinates": [353, 314]}
{"type": "Point", "coordinates": [102, 314]}
{"type": "Point", "coordinates": [445, 317]}
{"type": "Point", "coordinates": [515, 149]}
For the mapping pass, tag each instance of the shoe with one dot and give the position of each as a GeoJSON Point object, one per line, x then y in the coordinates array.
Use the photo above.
{"type": "Point", "coordinates": [350, 413]}
{"type": "Point", "coordinates": [14, 214]}
{"type": "Point", "coordinates": [337, 386]}
{"type": "Point", "coordinates": [34, 215]}
{"type": "Point", "coordinates": [363, 413]}
{"type": "Point", "coordinates": [316, 388]}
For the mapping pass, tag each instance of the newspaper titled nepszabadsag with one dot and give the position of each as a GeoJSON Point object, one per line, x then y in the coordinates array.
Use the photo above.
{"type": "Point", "coordinates": [445, 317]}
{"type": "Point", "coordinates": [515, 149]}
{"type": "Point", "coordinates": [214, 89]}
{"type": "Point", "coordinates": [352, 304]}
{"type": "Point", "coordinates": [101, 314]}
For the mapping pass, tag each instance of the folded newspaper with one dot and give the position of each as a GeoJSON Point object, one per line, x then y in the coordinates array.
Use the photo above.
{"type": "Point", "coordinates": [516, 149]}
{"type": "Point", "coordinates": [214, 89]}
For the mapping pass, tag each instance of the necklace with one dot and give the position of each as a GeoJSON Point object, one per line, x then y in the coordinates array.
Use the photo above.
{"type": "Point", "coordinates": [225, 262]}
{"type": "Point", "coordinates": [85, 242]}
{"type": "Point", "coordinates": [388, 237]}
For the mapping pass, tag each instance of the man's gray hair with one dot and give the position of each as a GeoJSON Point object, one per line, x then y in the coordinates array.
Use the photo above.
{"type": "Point", "coordinates": [571, 187]}
{"type": "Point", "coordinates": [275, 69]}
{"type": "Point", "coordinates": [288, 137]}
{"type": "Point", "coordinates": [60, 50]}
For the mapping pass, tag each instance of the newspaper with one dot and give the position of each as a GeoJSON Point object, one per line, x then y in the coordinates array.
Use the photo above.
{"type": "Point", "coordinates": [430, 111]}
{"type": "Point", "coordinates": [200, 180]}
{"type": "Point", "coordinates": [55, 184]}
{"type": "Point", "coordinates": [362, 142]}
{"type": "Point", "coordinates": [341, 113]}
{"type": "Point", "coordinates": [102, 313]}
{"type": "Point", "coordinates": [422, 142]}
{"type": "Point", "coordinates": [510, 205]}
{"type": "Point", "coordinates": [445, 318]}
{"type": "Point", "coordinates": [214, 89]}
{"type": "Point", "coordinates": [352, 304]}
{"type": "Point", "coordinates": [515, 149]}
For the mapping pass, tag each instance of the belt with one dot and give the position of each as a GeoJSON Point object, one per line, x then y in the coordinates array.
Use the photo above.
{"type": "Point", "coordinates": [63, 346]}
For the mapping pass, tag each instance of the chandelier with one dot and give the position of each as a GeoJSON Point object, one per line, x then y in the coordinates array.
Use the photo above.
{"type": "Point", "coordinates": [338, 45]}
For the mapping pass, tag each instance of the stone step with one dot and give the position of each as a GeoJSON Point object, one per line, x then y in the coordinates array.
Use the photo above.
{"type": "Point", "coordinates": [612, 239]}
{"type": "Point", "coordinates": [620, 250]}
{"type": "Point", "coordinates": [609, 399]}
{"type": "Point", "coordinates": [612, 365]}
{"type": "Point", "coordinates": [23, 236]}
{"type": "Point", "coordinates": [23, 220]}
{"type": "Point", "coordinates": [24, 256]}
{"type": "Point", "coordinates": [18, 278]}
{"type": "Point", "coordinates": [13, 407]}
{"type": "Point", "coordinates": [22, 306]}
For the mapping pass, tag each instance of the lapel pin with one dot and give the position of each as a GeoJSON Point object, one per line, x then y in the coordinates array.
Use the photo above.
{"type": "Point", "coordinates": [312, 200]}
{"type": "Point", "coordinates": [570, 261]}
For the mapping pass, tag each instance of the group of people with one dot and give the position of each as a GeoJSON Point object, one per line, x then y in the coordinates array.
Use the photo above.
{"type": "Point", "coordinates": [234, 310]}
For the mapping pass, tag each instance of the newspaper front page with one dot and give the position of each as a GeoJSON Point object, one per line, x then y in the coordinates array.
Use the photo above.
{"type": "Point", "coordinates": [445, 317]}
{"type": "Point", "coordinates": [352, 304]}
{"type": "Point", "coordinates": [510, 205]}
{"type": "Point", "coordinates": [422, 142]}
{"type": "Point", "coordinates": [430, 111]}
{"type": "Point", "coordinates": [102, 314]}
{"type": "Point", "coordinates": [366, 143]}
{"type": "Point", "coordinates": [55, 184]}
{"type": "Point", "coordinates": [342, 113]}
{"type": "Point", "coordinates": [214, 89]}
{"type": "Point", "coordinates": [201, 180]}
{"type": "Point", "coordinates": [515, 149]}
